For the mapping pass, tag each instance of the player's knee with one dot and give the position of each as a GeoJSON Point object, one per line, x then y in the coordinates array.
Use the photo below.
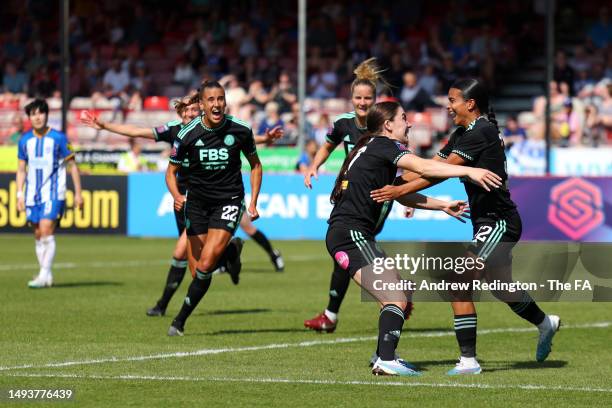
{"type": "Point", "coordinates": [207, 263]}
{"type": "Point", "coordinates": [180, 253]}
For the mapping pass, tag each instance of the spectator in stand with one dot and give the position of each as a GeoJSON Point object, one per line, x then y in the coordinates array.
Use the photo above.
{"type": "Point", "coordinates": [115, 79]}
{"type": "Point", "coordinates": [16, 130]}
{"type": "Point", "coordinates": [513, 133]}
{"type": "Point", "coordinates": [321, 129]}
{"type": "Point", "coordinates": [557, 97]}
{"type": "Point", "coordinates": [184, 73]}
{"type": "Point", "coordinates": [485, 43]}
{"type": "Point", "coordinates": [271, 120]}
{"type": "Point", "coordinates": [132, 160]}
{"type": "Point", "coordinates": [141, 82]}
{"type": "Point", "coordinates": [43, 86]}
{"type": "Point", "coordinates": [583, 81]}
{"type": "Point", "coordinates": [305, 159]}
{"type": "Point", "coordinates": [257, 96]}
{"type": "Point", "coordinates": [248, 44]}
{"type": "Point", "coordinates": [283, 93]}
{"type": "Point", "coordinates": [563, 72]}
{"type": "Point", "coordinates": [580, 60]}
{"type": "Point", "coordinates": [14, 81]}
{"type": "Point", "coordinates": [449, 73]}
{"type": "Point", "coordinates": [37, 60]}
{"type": "Point", "coordinates": [599, 115]}
{"type": "Point", "coordinates": [14, 49]}
{"type": "Point", "coordinates": [569, 126]}
{"type": "Point", "coordinates": [395, 72]}
{"type": "Point", "coordinates": [235, 95]}
{"type": "Point", "coordinates": [292, 128]}
{"type": "Point", "coordinates": [428, 81]}
{"type": "Point", "coordinates": [460, 49]}
{"type": "Point", "coordinates": [601, 31]}
{"type": "Point", "coordinates": [323, 82]}
{"type": "Point", "coordinates": [412, 96]}
{"type": "Point", "coordinates": [142, 29]}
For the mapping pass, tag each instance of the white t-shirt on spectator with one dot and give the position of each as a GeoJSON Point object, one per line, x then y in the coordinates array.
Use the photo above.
{"type": "Point", "coordinates": [117, 80]}
{"type": "Point", "coordinates": [318, 81]}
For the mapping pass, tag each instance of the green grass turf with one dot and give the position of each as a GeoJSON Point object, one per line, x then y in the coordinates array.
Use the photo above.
{"type": "Point", "coordinates": [104, 285]}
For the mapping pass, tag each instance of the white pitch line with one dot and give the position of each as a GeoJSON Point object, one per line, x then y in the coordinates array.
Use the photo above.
{"type": "Point", "coordinates": [123, 264]}
{"type": "Point", "coordinates": [202, 352]}
{"type": "Point", "coordinates": [407, 383]}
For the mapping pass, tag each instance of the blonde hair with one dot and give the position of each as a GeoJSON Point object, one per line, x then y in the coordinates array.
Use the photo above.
{"type": "Point", "coordinates": [181, 104]}
{"type": "Point", "coordinates": [368, 73]}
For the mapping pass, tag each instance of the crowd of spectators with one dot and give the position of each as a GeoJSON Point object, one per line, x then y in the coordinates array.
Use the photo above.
{"type": "Point", "coordinates": [581, 93]}
{"type": "Point", "coordinates": [125, 52]}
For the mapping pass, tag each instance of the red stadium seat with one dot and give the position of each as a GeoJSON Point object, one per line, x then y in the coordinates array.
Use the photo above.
{"type": "Point", "coordinates": [156, 103]}
{"type": "Point", "coordinates": [12, 104]}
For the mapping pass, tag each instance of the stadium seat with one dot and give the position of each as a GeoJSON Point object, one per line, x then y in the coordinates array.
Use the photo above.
{"type": "Point", "coordinates": [12, 104]}
{"type": "Point", "coordinates": [156, 103]}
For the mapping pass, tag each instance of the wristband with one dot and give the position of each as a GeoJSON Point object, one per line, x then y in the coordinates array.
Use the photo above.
{"type": "Point", "coordinates": [20, 194]}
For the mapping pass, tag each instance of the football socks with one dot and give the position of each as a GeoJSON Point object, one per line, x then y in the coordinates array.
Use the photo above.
{"type": "Point", "coordinates": [173, 281]}
{"type": "Point", "coordinates": [465, 331]}
{"type": "Point", "coordinates": [390, 325]}
{"type": "Point", "coordinates": [338, 286]}
{"type": "Point", "coordinates": [198, 288]}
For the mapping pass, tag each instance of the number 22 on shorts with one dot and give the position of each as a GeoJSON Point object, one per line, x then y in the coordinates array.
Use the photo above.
{"type": "Point", "coordinates": [230, 212]}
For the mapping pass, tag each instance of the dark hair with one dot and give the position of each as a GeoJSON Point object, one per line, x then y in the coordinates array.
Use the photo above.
{"type": "Point", "coordinates": [37, 105]}
{"type": "Point", "coordinates": [377, 115]}
{"type": "Point", "coordinates": [209, 84]}
{"type": "Point", "coordinates": [473, 89]}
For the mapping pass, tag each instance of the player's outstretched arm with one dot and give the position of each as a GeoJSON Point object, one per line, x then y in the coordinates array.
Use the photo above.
{"type": "Point", "coordinates": [20, 180]}
{"type": "Point", "coordinates": [431, 168]}
{"type": "Point", "coordinates": [270, 136]}
{"type": "Point", "coordinates": [92, 121]}
{"type": "Point", "coordinates": [256, 175]}
{"type": "Point", "coordinates": [455, 208]}
{"type": "Point", "coordinates": [321, 157]}
{"type": "Point", "coordinates": [410, 182]}
{"type": "Point", "coordinates": [76, 180]}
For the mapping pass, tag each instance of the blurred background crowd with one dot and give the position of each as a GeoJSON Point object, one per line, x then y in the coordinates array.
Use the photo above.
{"type": "Point", "coordinates": [128, 60]}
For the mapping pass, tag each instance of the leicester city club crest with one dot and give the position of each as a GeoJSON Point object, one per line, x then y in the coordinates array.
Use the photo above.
{"type": "Point", "coordinates": [229, 140]}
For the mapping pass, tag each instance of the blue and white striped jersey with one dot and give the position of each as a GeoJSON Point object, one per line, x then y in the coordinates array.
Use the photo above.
{"type": "Point", "coordinates": [46, 179]}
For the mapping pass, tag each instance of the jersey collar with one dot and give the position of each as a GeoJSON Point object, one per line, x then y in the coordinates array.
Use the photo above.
{"type": "Point", "coordinates": [211, 129]}
{"type": "Point", "coordinates": [473, 123]}
{"type": "Point", "coordinates": [35, 133]}
{"type": "Point", "coordinates": [357, 124]}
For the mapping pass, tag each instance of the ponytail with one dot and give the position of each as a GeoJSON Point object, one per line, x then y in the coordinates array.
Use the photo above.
{"type": "Point", "coordinates": [491, 117]}
{"type": "Point", "coordinates": [338, 190]}
{"type": "Point", "coordinates": [368, 73]}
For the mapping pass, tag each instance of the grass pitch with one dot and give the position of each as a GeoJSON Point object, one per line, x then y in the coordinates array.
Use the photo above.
{"type": "Point", "coordinates": [245, 345]}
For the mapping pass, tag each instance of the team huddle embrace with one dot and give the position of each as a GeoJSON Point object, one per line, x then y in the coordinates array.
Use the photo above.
{"type": "Point", "coordinates": [204, 178]}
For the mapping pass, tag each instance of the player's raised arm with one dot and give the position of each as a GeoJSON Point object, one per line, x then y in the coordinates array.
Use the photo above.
{"type": "Point", "coordinates": [90, 120]}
